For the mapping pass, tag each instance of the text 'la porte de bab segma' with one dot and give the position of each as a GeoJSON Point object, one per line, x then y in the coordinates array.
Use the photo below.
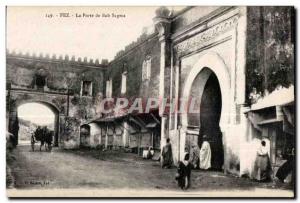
{"type": "Point", "coordinates": [84, 15]}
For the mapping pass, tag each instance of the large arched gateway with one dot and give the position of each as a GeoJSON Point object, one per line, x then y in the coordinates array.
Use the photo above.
{"type": "Point", "coordinates": [32, 115]}
{"type": "Point", "coordinates": [19, 101]}
{"type": "Point", "coordinates": [52, 101]}
{"type": "Point", "coordinates": [209, 83]}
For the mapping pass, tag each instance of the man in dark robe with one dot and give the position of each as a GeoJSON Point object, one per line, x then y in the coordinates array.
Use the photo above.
{"type": "Point", "coordinates": [167, 158]}
{"type": "Point", "coordinates": [15, 132]}
{"type": "Point", "coordinates": [32, 141]}
{"type": "Point", "coordinates": [183, 175]}
{"type": "Point", "coordinates": [48, 139]}
{"type": "Point", "coordinates": [40, 135]}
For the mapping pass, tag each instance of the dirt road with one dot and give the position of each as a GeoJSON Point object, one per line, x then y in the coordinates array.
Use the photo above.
{"type": "Point", "coordinates": [104, 170]}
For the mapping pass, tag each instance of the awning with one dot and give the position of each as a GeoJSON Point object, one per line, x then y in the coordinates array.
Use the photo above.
{"type": "Point", "coordinates": [279, 97]}
{"type": "Point", "coordinates": [142, 118]}
{"type": "Point", "coordinates": [106, 119]}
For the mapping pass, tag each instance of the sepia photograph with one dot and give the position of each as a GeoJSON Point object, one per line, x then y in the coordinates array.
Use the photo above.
{"type": "Point", "coordinates": [150, 101]}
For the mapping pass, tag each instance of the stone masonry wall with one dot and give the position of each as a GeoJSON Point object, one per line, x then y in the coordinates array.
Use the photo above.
{"type": "Point", "coordinates": [63, 76]}
{"type": "Point", "coordinates": [131, 59]}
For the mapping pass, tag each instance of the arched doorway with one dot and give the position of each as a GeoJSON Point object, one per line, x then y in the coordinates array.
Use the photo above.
{"type": "Point", "coordinates": [209, 124]}
{"type": "Point", "coordinates": [209, 81]}
{"type": "Point", "coordinates": [32, 115]}
{"type": "Point", "coordinates": [85, 135]}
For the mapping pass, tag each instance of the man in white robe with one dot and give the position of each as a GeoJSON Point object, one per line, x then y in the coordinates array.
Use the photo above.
{"type": "Point", "coordinates": [205, 154]}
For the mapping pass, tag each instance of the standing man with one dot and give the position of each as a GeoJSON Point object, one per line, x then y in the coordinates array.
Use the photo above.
{"type": "Point", "coordinates": [263, 165]}
{"type": "Point", "coordinates": [32, 141]}
{"type": "Point", "coordinates": [183, 175]}
{"type": "Point", "coordinates": [205, 154]}
{"type": "Point", "coordinates": [166, 155]}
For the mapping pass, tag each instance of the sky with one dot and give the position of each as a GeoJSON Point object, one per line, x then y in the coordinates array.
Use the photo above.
{"type": "Point", "coordinates": [36, 113]}
{"type": "Point", "coordinates": [44, 30]}
{"type": "Point", "coordinates": [41, 29]}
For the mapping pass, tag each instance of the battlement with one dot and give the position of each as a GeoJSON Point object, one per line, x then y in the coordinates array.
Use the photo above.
{"type": "Point", "coordinates": [146, 34]}
{"type": "Point", "coordinates": [57, 58]}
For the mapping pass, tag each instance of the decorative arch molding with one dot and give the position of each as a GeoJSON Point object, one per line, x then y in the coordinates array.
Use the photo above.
{"type": "Point", "coordinates": [207, 64]}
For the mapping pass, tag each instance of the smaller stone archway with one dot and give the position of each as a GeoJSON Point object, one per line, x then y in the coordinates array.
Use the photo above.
{"type": "Point", "coordinates": [14, 123]}
{"type": "Point", "coordinates": [208, 64]}
{"type": "Point", "coordinates": [85, 135]}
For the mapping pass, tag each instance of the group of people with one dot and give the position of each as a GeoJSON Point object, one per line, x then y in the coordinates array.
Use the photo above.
{"type": "Point", "coordinates": [44, 135]}
{"type": "Point", "coordinates": [263, 169]}
{"type": "Point", "coordinates": [199, 159]}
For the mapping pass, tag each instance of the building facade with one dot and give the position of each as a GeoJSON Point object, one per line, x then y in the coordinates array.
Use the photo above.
{"type": "Point", "coordinates": [218, 55]}
{"type": "Point", "coordinates": [225, 57]}
{"type": "Point", "coordinates": [68, 87]}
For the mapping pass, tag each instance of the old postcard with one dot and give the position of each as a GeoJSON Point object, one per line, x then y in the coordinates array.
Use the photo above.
{"type": "Point", "coordinates": [160, 101]}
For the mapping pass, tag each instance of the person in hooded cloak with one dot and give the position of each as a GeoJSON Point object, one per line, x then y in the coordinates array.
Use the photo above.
{"type": "Point", "coordinates": [205, 154]}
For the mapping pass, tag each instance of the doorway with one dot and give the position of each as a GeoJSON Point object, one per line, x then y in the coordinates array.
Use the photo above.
{"type": "Point", "coordinates": [210, 113]}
